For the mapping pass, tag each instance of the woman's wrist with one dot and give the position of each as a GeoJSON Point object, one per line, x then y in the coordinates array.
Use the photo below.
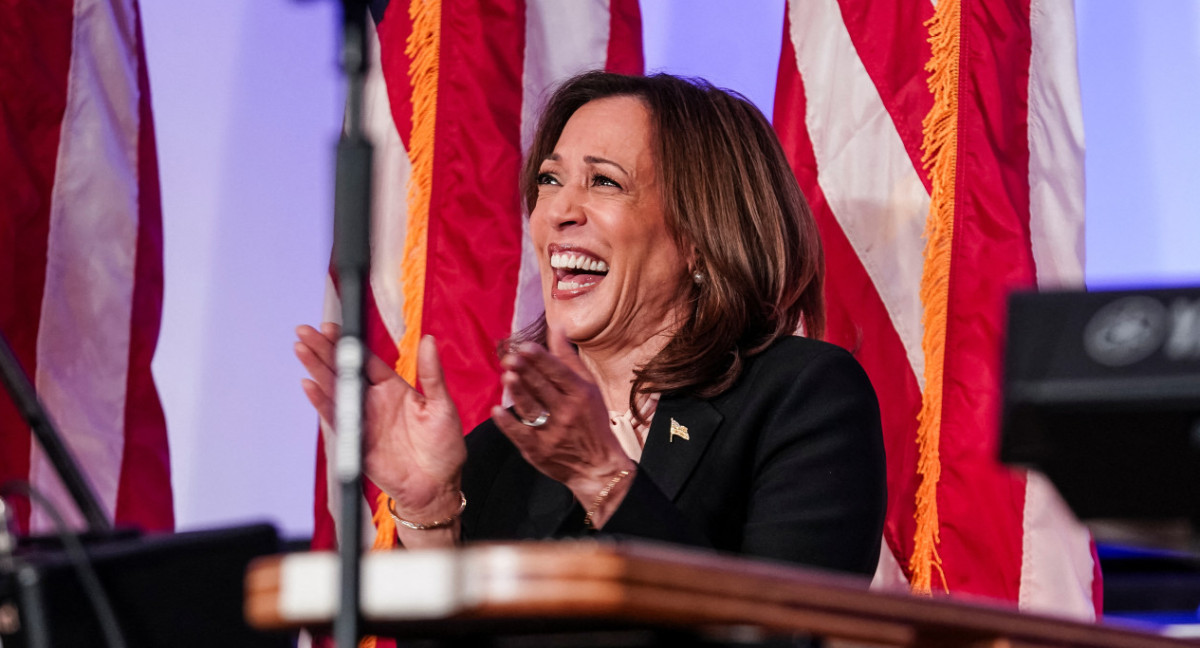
{"type": "Point", "coordinates": [444, 503]}
{"type": "Point", "coordinates": [602, 492]}
{"type": "Point", "coordinates": [435, 524]}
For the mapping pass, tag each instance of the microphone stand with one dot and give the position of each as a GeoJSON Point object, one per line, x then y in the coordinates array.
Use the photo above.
{"type": "Point", "coordinates": [352, 260]}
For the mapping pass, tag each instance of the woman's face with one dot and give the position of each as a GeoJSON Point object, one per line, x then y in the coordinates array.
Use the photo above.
{"type": "Point", "coordinates": [612, 275]}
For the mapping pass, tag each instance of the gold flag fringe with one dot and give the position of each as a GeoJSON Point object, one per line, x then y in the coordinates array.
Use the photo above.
{"type": "Point", "coordinates": [422, 49]}
{"type": "Point", "coordinates": [385, 526]}
{"type": "Point", "coordinates": [940, 159]}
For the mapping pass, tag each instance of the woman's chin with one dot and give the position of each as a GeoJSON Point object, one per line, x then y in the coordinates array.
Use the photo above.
{"type": "Point", "coordinates": [577, 327]}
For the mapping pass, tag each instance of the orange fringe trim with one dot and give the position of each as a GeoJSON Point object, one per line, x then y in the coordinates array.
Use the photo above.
{"type": "Point", "coordinates": [940, 160]}
{"type": "Point", "coordinates": [385, 525]}
{"type": "Point", "coordinates": [422, 50]}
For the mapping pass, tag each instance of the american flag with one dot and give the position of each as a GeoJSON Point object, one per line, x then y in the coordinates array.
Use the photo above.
{"type": "Point", "coordinates": [852, 93]}
{"type": "Point", "coordinates": [81, 253]}
{"type": "Point", "coordinates": [851, 97]}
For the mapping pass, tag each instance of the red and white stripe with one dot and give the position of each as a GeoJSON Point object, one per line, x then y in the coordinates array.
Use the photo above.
{"type": "Point", "coordinates": [851, 96]}
{"type": "Point", "coordinates": [1057, 575]}
{"type": "Point", "coordinates": [84, 235]}
{"type": "Point", "coordinates": [498, 61]}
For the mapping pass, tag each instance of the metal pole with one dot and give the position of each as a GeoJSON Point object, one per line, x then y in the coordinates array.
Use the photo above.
{"type": "Point", "coordinates": [352, 261]}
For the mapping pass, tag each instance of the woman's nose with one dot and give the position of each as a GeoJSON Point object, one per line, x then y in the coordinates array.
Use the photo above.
{"type": "Point", "coordinates": [564, 207]}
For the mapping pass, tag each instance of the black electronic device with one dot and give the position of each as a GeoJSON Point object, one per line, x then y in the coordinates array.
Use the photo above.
{"type": "Point", "coordinates": [179, 590]}
{"type": "Point", "coordinates": [1102, 394]}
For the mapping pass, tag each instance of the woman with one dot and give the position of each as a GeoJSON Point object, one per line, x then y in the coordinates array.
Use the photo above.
{"type": "Point", "coordinates": [663, 396]}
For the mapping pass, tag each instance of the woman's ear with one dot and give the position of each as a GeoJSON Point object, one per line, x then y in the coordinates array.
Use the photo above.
{"type": "Point", "coordinates": [696, 268]}
{"type": "Point", "coordinates": [692, 258]}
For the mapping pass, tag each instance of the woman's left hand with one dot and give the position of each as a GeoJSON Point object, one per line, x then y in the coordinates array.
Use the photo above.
{"type": "Point", "coordinates": [575, 444]}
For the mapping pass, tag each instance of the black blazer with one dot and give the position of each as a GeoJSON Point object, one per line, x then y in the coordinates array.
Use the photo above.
{"type": "Point", "coordinates": [788, 464]}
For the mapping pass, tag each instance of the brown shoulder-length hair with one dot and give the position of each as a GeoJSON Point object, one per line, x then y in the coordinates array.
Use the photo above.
{"type": "Point", "coordinates": [730, 196]}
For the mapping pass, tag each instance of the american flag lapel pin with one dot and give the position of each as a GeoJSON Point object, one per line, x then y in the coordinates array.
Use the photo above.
{"type": "Point", "coordinates": [678, 430]}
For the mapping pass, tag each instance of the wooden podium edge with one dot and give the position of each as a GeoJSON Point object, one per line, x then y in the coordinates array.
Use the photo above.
{"type": "Point", "coordinates": [647, 584]}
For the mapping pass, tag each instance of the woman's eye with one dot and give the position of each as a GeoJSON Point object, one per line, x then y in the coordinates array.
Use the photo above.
{"type": "Point", "coordinates": [546, 179]}
{"type": "Point", "coordinates": [604, 181]}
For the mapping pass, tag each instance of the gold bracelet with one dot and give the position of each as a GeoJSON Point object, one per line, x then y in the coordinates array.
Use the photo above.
{"type": "Point", "coordinates": [588, 520]}
{"type": "Point", "coordinates": [432, 525]}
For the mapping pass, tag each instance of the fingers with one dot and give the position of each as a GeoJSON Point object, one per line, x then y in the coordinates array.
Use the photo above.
{"type": "Point", "coordinates": [524, 400]}
{"type": "Point", "coordinates": [320, 344]}
{"type": "Point", "coordinates": [319, 399]}
{"type": "Point", "coordinates": [545, 374]}
{"type": "Point", "coordinates": [312, 354]}
{"type": "Point", "coordinates": [314, 349]}
{"type": "Point", "coordinates": [537, 378]}
{"type": "Point", "coordinates": [377, 370]}
{"type": "Point", "coordinates": [429, 370]}
{"type": "Point", "coordinates": [516, 431]}
{"type": "Point", "coordinates": [525, 380]}
{"type": "Point", "coordinates": [323, 347]}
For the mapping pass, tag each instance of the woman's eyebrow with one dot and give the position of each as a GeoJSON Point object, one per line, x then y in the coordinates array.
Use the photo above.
{"type": "Point", "coordinates": [591, 159]}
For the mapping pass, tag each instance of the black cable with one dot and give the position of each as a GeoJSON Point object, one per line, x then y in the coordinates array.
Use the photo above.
{"type": "Point", "coordinates": [93, 590]}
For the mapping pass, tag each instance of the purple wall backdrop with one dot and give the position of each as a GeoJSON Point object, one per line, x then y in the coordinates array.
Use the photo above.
{"type": "Point", "coordinates": [246, 101]}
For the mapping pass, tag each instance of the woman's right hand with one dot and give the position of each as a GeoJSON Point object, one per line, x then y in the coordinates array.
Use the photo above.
{"type": "Point", "coordinates": [413, 447]}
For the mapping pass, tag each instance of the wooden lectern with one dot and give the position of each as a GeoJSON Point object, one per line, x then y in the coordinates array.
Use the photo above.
{"type": "Point", "coordinates": [585, 585]}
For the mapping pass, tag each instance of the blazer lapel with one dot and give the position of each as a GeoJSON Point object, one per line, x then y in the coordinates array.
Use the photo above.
{"type": "Point", "coordinates": [682, 428]}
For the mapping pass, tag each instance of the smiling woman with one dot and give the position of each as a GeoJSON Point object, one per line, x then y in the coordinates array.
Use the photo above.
{"type": "Point", "coordinates": [664, 394]}
{"type": "Point", "coordinates": [599, 201]}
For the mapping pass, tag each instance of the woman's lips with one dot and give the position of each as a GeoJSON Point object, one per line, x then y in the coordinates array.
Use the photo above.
{"type": "Point", "coordinates": [576, 283]}
{"type": "Point", "coordinates": [576, 271]}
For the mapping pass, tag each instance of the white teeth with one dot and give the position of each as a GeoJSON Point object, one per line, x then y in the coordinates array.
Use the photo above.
{"type": "Point", "coordinates": [569, 285]}
{"type": "Point", "coordinates": [571, 261]}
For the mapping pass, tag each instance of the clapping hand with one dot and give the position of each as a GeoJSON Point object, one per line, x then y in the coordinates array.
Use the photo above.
{"type": "Point", "coordinates": [412, 446]}
{"type": "Point", "coordinates": [561, 427]}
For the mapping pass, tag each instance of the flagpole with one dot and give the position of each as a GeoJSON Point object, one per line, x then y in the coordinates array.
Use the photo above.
{"type": "Point", "coordinates": [352, 261]}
